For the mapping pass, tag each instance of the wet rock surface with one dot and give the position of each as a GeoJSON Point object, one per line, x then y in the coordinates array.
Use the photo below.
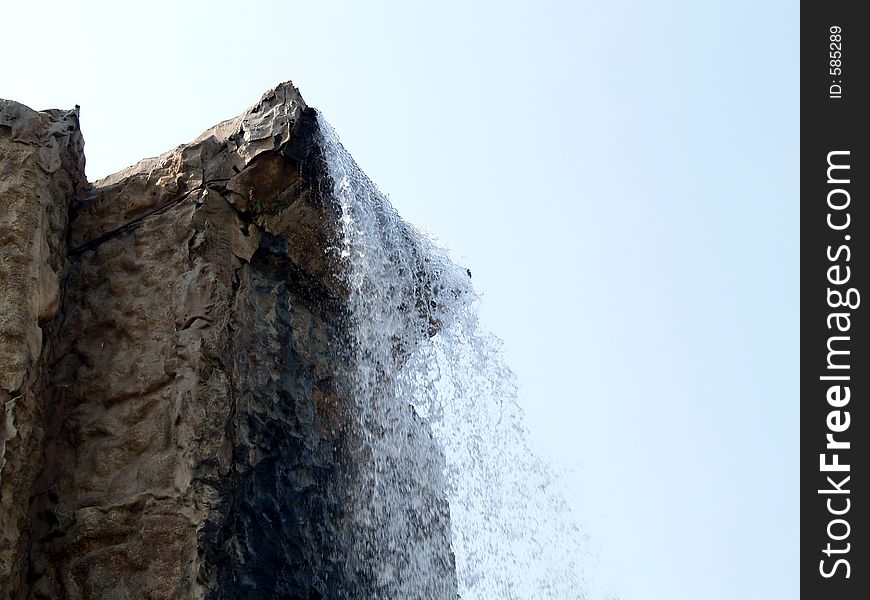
{"type": "Point", "coordinates": [173, 338]}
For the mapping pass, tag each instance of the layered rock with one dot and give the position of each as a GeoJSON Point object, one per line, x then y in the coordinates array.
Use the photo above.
{"type": "Point", "coordinates": [175, 425]}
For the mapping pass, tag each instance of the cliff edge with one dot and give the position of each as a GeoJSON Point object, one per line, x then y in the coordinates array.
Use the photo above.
{"type": "Point", "coordinates": [172, 343]}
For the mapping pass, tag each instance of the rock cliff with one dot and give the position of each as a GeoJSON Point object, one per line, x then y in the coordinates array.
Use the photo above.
{"type": "Point", "coordinates": [41, 173]}
{"type": "Point", "coordinates": [173, 343]}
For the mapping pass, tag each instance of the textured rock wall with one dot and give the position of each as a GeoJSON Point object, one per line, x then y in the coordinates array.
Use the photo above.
{"type": "Point", "coordinates": [41, 172]}
{"type": "Point", "coordinates": [156, 456]}
{"type": "Point", "coordinates": [174, 427]}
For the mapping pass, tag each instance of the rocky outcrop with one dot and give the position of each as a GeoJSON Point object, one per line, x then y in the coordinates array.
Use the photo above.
{"type": "Point", "coordinates": [41, 172]}
{"type": "Point", "coordinates": [174, 426]}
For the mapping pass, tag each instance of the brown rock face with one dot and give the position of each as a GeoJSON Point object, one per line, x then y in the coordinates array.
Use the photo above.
{"type": "Point", "coordinates": [41, 172]}
{"type": "Point", "coordinates": [171, 341]}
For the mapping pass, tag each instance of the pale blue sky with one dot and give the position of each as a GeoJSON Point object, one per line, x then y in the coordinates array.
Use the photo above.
{"type": "Point", "coordinates": [622, 179]}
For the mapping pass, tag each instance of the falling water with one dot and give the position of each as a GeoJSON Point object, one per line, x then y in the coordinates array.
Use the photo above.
{"type": "Point", "coordinates": [435, 413]}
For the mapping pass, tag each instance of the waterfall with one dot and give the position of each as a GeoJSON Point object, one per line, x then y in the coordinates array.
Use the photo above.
{"type": "Point", "coordinates": [437, 433]}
